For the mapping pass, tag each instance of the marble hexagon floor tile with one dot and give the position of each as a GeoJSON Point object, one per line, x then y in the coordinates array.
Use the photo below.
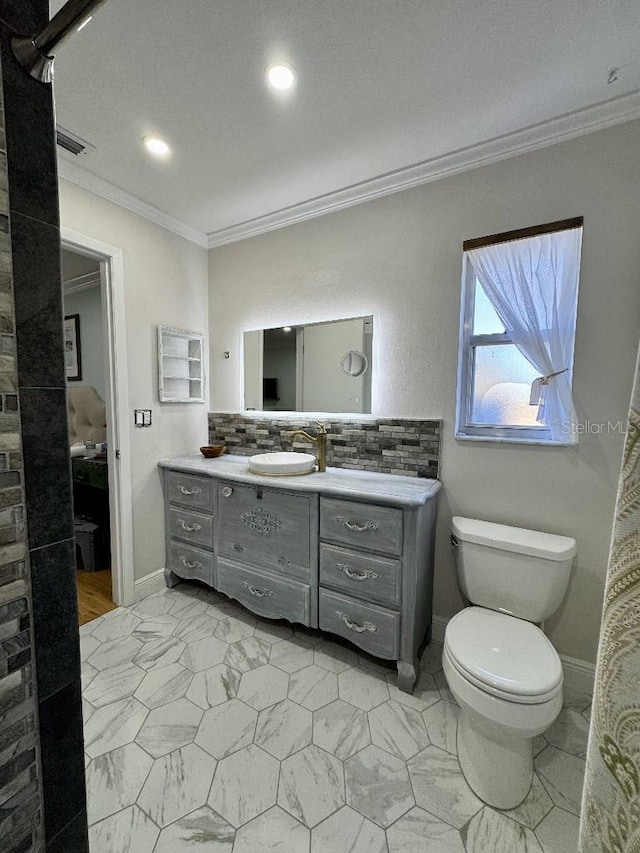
{"type": "Point", "coordinates": [377, 785]}
{"type": "Point", "coordinates": [157, 653]}
{"type": "Point", "coordinates": [121, 625]}
{"type": "Point", "coordinates": [536, 805]}
{"type": "Point", "coordinates": [313, 687]}
{"type": "Point", "coordinates": [558, 832]}
{"type": "Point", "coordinates": [155, 628]}
{"type": "Point", "coordinates": [347, 831]}
{"type": "Point", "coordinates": [284, 729]}
{"type": "Point", "coordinates": [124, 832]}
{"type": "Point", "coordinates": [227, 728]}
{"type": "Point", "coordinates": [273, 632]}
{"type": "Point", "coordinates": [178, 784]}
{"type": "Point", "coordinates": [569, 732]}
{"type": "Point", "coordinates": [311, 785]}
{"type": "Point", "coordinates": [341, 729]}
{"type": "Point", "coordinates": [114, 726]}
{"type": "Point", "coordinates": [398, 729]}
{"type": "Point", "coordinates": [213, 686]}
{"type": "Point", "coordinates": [245, 785]}
{"type": "Point", "coordinates": [247, 654]}
{"type": "Point", "coordinates": [291, 655]}
{"type": "Point", "coordinates": [163, 685]}
{"type": "Point", "coordinates": [202, 830]}
{"type": "Point", "coordinates": [153, 605]}
{"type": "Point", "coordinates": [88, 645]}
{"type": "Point", "coordinates": [362, 688]}
{"type": "Point", "coordinates": [334, 657]}
{"type": "Point", "coordinates": [112, 684]}
{"type": "Point", "coordinates": [425, 693]}
{"type": "Point", "coordinates": [441, 722]}
{"type": "Point", "coordinates": [187, 607]}
{"type": "Point", "coordinates": [114, 653]}
{"type": "Point", "coordinates": [238, 627]}
{"type": "Point", "coordinates": [440, 787]}
{"type": "Point", "coordinates": [204, 653]}
{"type": "Point", "coordinates": [114, 780]}
{"type": "Point", "coordinates": [490, 830]}
{"type": "Point", "coordinates": [275, 831]}
{"type": "Point", "coordinates": [190, 629]}
{"type": "Point", "coordinates": [562, 775]}
{"type": "Point", "coordinates": [260, 688]}
{"type": "Point", "coordinates": [418, 830]}
{"type": "Point", "coordinates": [169, 727]}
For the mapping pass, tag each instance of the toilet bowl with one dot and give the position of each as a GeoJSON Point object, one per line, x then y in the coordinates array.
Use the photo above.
{"type": "Point", "coordinates": [507, 678]}
{"type": "Point", "coordinates": [500, 667]}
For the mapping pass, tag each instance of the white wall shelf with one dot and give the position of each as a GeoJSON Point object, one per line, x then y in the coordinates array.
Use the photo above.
{"type": "Point", "coordinates": [181, 376]}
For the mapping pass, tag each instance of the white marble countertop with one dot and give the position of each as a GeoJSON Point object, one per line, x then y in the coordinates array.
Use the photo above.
{"type": "Point", "coordinates": [337, 482]}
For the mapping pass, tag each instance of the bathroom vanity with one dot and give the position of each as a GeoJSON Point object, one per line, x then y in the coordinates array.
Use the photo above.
{"type": "Point", "coordinates": [349, 552]}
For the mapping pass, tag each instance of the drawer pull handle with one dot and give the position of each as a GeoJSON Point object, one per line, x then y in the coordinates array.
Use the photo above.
{"type": "Point", "coordinates": [190, 528]}
{"type": "Point", "coordinates": [353, 626]}
{"type": "Point", "coordinates": [357, 576]}
{"type": "Point", "coordinates": [356, 526]}
{"type": "Point", "coordinates": [195, 491]}
{"type": "Point", "coordinates": [282, 561]}
{"type": "Point", "coordinates": [237, 546]}
{"type": "Point", "coordinates": [259, 593]}
{"type": "Point", "coordinates": [195, 565]}
{"type": "Point", "coordinates": [227, 492]}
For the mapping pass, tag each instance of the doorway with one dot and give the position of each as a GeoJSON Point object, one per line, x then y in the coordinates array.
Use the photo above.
{"type": "Point", "coordinates": [97, 385]}
{"type": "Point", "coordinates": [87, 416]}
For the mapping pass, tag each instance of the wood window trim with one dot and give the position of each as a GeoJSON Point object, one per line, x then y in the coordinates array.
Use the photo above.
{"type": "Point", "coordinates": [523, 233]}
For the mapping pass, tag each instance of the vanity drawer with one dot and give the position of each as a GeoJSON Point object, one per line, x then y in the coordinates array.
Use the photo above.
{"type": "Point", "coordinates": [362, 525]}
{"type": "Point", "coordinates": [191, 563]}
{"type": "Point", "coordinates": [192, 526]}
{"type": "Point", "coordinates": [372, 628]}
{"type": "Point", "coordinates": [266, 528]}
{"type": "Point", "coordinates": [360, 574]}
{"type": "Point", "coordinates": [191, 491]}
{"type": "Point", "coordinates": [265, 594]}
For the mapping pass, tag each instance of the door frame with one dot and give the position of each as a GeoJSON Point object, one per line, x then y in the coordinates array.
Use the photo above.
{"type": "Point", "coordinates": [117, 405]}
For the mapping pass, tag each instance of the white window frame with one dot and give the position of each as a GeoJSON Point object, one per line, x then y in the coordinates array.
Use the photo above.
{"type": "Point", "coordinates": [465, 427]}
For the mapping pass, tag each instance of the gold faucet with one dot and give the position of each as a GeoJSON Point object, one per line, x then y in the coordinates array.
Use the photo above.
{"type": "Point", "coordinates": [320, 440]}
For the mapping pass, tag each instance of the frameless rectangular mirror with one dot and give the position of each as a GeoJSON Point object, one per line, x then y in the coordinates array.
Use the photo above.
{"type": "Point", "coordinates": [318, 367]}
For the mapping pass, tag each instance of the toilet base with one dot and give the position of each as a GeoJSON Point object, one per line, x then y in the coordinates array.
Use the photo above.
{"type": "Point", "coordinates": [499, 772]}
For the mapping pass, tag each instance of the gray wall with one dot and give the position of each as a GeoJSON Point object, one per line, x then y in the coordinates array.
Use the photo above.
{"type": "Point", "coordinates": [35, 251]}
{"type": "Point", "coordinates": [399, 258]}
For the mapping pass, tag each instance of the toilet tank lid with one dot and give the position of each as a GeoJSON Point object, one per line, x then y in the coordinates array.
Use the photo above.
{"type": "Point", "coordinates": [517, 539]}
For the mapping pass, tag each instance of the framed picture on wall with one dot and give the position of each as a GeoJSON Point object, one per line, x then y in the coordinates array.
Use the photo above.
{"type": "Point", "coordinates": [72, 350]}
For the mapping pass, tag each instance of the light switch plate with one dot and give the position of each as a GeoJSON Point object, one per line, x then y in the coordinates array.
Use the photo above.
{"type": "Point", "coordinates": [142, 417]}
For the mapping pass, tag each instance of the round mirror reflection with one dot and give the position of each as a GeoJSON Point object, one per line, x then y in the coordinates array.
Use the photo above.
{"type": "Point", "coordinates": [354, 363]}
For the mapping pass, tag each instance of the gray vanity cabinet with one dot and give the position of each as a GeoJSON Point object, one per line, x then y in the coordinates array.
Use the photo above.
{"type": "Point", "coordinates": [359, 568]}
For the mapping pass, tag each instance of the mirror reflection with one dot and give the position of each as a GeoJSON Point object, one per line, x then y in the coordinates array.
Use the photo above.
{"type": "Point", "coordinates": [318, 367]}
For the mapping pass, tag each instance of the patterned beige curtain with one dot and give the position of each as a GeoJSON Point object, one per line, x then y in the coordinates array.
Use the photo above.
{"type": "Point", "coordinates": [610, 820]}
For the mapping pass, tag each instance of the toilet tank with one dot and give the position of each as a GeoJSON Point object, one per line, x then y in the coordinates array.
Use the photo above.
{"type": "Point", "coordinates": [521, 572]}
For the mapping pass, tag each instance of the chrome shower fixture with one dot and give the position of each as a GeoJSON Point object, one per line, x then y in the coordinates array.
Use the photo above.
{"type": "Point", "coordinates": [35, 53]}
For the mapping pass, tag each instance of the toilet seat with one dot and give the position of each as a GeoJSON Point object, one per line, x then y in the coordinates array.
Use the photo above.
{"type": "Point", "coordinates": [504, 656]}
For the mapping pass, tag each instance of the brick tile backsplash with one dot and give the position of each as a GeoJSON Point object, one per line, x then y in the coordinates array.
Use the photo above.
{"type": "Point", "coordinates": [389, 446]}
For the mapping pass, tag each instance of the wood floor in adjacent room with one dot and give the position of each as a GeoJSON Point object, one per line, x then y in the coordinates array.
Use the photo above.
{"type": "Point", "coordinates": [94, 594]}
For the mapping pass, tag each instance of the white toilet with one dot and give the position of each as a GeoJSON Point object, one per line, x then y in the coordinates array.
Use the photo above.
{"type": "Point", "coordinates": [504, 673]}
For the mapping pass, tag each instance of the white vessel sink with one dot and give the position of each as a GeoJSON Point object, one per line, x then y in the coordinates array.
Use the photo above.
{"type": "Point", "coordinates": [282, 464]}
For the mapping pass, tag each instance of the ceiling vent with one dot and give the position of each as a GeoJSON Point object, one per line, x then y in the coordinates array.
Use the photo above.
{"type": "Point", "coordinates": [72, 143]}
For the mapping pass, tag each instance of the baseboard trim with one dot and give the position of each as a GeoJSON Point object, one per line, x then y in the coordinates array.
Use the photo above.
{"type": "Point", "coordinates": [149, 584]}
{"type": "Point", "coordinates": [579, 675]}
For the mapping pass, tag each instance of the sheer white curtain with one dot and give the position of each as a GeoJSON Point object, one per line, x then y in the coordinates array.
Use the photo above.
{"type": "Point", "coordinates": [533, 285]}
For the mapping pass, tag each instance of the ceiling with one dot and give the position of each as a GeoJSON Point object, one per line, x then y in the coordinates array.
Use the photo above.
{"type": "Point", "coordinates": [404, 89]}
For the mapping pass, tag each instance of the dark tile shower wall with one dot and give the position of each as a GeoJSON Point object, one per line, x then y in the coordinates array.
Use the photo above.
{"type": "Point", "coordinates": [409, 447]}
{"type": "Point", "coordinates": [35, 250]}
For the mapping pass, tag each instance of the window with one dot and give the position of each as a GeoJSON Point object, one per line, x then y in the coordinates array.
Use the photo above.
{"type": "Point", "coordinates": [518, 319]}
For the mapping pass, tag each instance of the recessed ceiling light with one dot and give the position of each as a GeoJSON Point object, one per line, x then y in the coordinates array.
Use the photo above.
{"type": "Point", "coordinates": [281, 77]}
{"type": "Point", "coordinates": [156, 146]}
{"type": "Point", "coordinates": [84, 23]}
{"type": "Point", "coordinates": [286, 328]}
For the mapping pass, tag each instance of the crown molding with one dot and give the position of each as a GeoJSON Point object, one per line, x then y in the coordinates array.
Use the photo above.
{"type": "Point", "coordinates": [560, 129]}
{"type": "Point", "coordinates": [75, 174]}
{"type": "Point", "coordinates": [568, 126]}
